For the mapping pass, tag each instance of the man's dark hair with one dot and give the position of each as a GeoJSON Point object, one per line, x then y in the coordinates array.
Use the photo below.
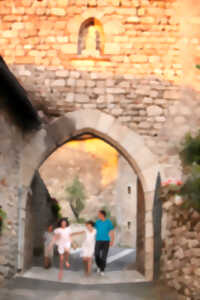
{"type": "Point", "coordinates": [90, 223]}
{"type": "Point", "coordinates": [61, 220]}
{"type": "Point", "coordinates": [103, 212]}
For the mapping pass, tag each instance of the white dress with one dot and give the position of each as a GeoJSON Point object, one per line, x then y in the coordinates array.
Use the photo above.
{"type": "Point", "coordinates": [64, 241]}
{"type": "Point", "coordinates": [88, 246]}
{"type": "Point", "coordinates": [48, 236]}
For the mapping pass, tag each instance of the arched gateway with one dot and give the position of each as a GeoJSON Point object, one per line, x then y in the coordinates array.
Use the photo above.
{"type": "Point", "coordinates": [128, 143]}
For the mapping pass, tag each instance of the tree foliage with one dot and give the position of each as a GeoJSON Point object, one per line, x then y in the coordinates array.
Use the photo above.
{"type": "Point", "coordinates": [76, 196]}
{"type": "Point", "coordinates": [190, 152]}
{"type": "Point", "coordinates": [190, 156]}
{"type": "Point", "coordinates": [190, 191]}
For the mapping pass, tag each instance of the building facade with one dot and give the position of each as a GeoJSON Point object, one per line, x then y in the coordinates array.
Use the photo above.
{"type": "Point", "coordinates": [113, 68]}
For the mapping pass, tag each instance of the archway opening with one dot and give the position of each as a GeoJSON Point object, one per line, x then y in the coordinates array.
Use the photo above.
{"type": "Point", "coordinates": [110, 182]}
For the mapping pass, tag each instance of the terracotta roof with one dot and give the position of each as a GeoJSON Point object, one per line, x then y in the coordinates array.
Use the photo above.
{"type": "Point", "coordinates": [14, 98]}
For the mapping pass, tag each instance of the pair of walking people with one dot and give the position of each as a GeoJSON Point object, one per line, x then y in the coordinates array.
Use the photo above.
{"type": "Point", "coordinates": [99, 237]}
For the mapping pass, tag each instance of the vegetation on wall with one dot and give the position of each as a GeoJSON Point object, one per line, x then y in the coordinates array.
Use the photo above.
{"type": "Point", "coordinates": [190, 150]}
{"type": "Point", "coordinates": [76, 196]}
{"type": "Point", "coordinates": [56, 209]}
{"type": "Point", "coordinates": [189, 190]}
{"type": "Point", "coordinates": [190, 156]}
{"type": "Point", "coordinates": [3, 216]}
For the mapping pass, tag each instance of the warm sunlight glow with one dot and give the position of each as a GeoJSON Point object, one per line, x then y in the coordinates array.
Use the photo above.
{"type": "Point", "coordinates": [103, 151]}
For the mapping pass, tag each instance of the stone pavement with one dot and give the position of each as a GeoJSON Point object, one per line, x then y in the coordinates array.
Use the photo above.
{"type": "Point", "coordinates": [112, 277]}
{"type": "Point", "coordinates": [31, 289]}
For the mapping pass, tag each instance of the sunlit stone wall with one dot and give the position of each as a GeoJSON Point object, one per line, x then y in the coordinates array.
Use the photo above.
{"type": "Point", "coordinates": [140, 37]}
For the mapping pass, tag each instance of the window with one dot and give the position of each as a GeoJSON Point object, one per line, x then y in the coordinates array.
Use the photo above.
{"type": "Point", "coordinates": [90, 41]}
{"type": "Point", "coordinates": [129, 189]}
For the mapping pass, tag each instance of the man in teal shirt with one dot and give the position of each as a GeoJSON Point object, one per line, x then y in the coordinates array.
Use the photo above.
{"type": "Point", "coordinates": [104, 239]}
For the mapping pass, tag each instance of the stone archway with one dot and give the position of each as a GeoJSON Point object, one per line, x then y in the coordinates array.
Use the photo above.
{"type": "Point", "coordinates": [106, 127]}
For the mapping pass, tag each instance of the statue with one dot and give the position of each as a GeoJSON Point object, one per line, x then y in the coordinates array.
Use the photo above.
{"type": "Point", "coordinates": [91, 42]}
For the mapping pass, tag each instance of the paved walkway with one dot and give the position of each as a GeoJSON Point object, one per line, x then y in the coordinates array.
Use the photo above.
{"type": "Point", "coordinates": [118, 283]}
{"type": "Point", "coordinates": [30, 289]}
{"type": "Point", "coordinates": [111, 277]}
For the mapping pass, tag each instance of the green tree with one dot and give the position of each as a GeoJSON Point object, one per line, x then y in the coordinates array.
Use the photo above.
{"type": "Point", "coordinates": [76, 196]}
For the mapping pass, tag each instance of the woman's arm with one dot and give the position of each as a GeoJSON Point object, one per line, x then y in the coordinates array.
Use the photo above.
{"type": "Point", "coordinates": [77, 233]}
{"type": "Point", "coordinates": [54, 239]}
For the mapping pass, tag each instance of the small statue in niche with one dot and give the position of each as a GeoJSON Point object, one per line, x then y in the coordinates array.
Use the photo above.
{"type": "Point", "coordinates": [92, 42]}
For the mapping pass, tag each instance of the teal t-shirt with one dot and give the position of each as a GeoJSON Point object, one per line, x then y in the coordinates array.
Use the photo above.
{"type": "Point", "coordinates": [103, 228]}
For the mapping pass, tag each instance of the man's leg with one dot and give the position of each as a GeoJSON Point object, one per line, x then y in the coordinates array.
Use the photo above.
{"type": "Point", "coordinates": [98, 254]}
{"type": "Point", "coordinates": [105, 249]}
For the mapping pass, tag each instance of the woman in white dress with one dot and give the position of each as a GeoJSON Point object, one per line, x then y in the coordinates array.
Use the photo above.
{"type": "Point", "coordinates": [48, 255]}
{"type": "Point", "coordinates": [62, 238]}
{"type": "Point", "coordinates": [88, 247]}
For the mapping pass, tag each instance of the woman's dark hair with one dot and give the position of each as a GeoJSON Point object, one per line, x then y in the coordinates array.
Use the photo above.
{"type": "Point", "coordinates": [61, 220]}
{"type": "Point", "coordinates": [90, 223]}
{"type": "Point", "coordinates": [103, 212]}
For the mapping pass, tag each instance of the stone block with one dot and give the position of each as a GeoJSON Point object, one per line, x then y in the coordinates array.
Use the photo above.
{"type": "Point", "coordinates": [154, 110]}
{"type": "Point", "coordinates": [148, 20]}
{"type": "Point", "coordinates": [61, 130]}
{"type": "Point", "coordinates": [104, 123]}
{"type": "Point", "coordinates": [138, 58]}
{"type": "Point", "coordinates": [56, 11]}
{"type": "Point", "coordinates": [111, 48]}
{"type": "Point", "coordinates": [73, 24]}
{"type": "Point", "coordinates": [82, 98]}
{"type": "Point", "coordinates": [58, 83]}
{"type": "Point", "coordinates": [75, 74]}
{"type": "Point", "coordinates": [62, 73]}
{"type": "Point", "coordinates": [115, 90]}
{"type": "Point", "coordinates": [90, 83]}
{"type": "Point", "coordinates": [71, 82]}
{"type": "Point", "coordinates": [99, 91]}
{"type": "Point", "coordinates": [133, 20]}
{"type": "Point", "coordinates": [69, 49]}
{"type": "Point", "coordinates": [87, 118]}
{"type": "Point", "coordinates": [114, 27]}
{"type": "Point", "coordinates": [70, 97]}
{"type": "Point", "coordinates": [172, 95]}
{"type": "Point", "coordinates": [150, 173]}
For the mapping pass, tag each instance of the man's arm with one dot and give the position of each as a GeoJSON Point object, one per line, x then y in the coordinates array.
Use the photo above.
{"type": "Point", "coordinates": [112, 237]}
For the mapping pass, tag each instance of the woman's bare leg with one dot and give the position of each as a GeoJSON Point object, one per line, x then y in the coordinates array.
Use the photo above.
{"type": "Point", "coordinates": [60, 274]}
{"type": "Point", "coordinates": [89, 265]}
{"type": "Point", "coordinates": [85, 263]}
{"type": "Point", "coordinates": [67, 259]}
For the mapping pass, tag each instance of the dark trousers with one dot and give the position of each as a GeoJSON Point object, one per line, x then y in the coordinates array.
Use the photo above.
{"type": "Point", "coordinates": [101, 253]}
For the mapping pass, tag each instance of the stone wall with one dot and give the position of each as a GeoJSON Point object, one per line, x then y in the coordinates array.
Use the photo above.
{"type": "Point", "coordinates": [38, 217]}
{"type": "Point", "coordinates": [10, 146]}
{"type": "Point", "coordinates": [181, 250]}
{"type": "Point", "coordinates": [140, 37]}
{"type": "Point", "coordinates": [125, 194]}
{"type": "Point", "coordinates": [141, 104]}
{"type": "Point", "coordinates": [42, 213]}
